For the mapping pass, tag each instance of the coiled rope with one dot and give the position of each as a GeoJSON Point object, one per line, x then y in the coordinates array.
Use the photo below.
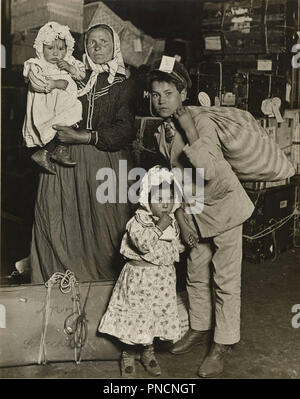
{"type": "Point", "coordinates": [67, 283]}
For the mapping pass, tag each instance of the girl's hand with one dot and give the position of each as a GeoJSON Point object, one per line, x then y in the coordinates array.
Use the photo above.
{"type": "Point", "coordinates": [184, 117]}
{"type": "Point", "coordinates": [188, 236]}
{"type": "Point", "coordinates": [68, 135]}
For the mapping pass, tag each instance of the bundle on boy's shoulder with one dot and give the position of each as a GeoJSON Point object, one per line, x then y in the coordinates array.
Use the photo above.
{"type": "Point", "coordinates": [252, 154]}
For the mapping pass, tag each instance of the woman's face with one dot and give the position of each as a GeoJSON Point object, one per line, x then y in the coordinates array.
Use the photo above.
{"type": "Point", "coordinates": [100, 46]}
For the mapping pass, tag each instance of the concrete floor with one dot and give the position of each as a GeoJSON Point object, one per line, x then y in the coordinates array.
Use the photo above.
{"type": "Point", "coordinates": [269, 347]}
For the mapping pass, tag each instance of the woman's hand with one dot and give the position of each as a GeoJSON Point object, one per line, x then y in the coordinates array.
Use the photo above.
{"type": "Point", "coordinates": [56, 84]}
{"type": "Point", "coordinates": [68, 135]}
{"type": "Point", "coordinates": [185, 120]}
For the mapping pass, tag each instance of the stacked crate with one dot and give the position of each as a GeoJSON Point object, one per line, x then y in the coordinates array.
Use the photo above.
{"type": "Point", "coordinates": [248, 26]}
{"type": "Point", "coordinates": [28, 16]}
{"type": "Point", "coordinates": [242, 27]}
{"type": "Point", "coordinates": [145, 148]}
{"type": "Point", "coordinates": [270, 229]}
{"type": "Point", "coordinates": [277, 35]}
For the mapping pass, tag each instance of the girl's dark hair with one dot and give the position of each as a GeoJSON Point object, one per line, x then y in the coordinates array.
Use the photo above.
{"type": "Point", "coordinates": [160, 76]}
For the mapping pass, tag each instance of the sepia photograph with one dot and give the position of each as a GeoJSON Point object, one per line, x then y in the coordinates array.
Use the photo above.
{"type": "Point", "coordinates": [150, 190]}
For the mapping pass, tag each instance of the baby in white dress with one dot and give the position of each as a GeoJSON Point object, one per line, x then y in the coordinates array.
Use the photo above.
{"type": "Point", "coordinates": [52, 94]}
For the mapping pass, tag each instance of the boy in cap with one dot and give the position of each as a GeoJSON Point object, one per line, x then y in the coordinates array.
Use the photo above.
{"type": "Point", "coordinates": [212, 226]}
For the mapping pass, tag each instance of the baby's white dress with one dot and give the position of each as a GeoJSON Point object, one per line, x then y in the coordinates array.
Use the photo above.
{"type": "Point", "coordinates": [59, 107]}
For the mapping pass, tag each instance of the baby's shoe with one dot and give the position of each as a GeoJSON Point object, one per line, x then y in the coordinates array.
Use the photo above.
{"type": "Point", "coordinates": [61, 155]}
{"type": "Point", "coordinates": [149, 361]}
{"type": "Point", "coordinates": [128, 364]}
{"type": "Point", "coordinates": [41, 157]}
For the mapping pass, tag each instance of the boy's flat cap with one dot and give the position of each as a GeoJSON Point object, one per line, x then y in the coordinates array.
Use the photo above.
{"type": "Point", "coordinates": [178, 73]}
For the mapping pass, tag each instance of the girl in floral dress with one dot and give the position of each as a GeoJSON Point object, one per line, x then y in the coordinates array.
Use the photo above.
{"type": "Point", "coordinates": [143, 303]}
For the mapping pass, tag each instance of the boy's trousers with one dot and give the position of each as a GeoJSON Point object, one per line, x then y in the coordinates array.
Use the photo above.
{"type": "Point", "coordinates": [214, 285]}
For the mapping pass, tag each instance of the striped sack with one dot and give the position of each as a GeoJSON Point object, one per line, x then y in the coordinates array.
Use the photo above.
{"type": "Point", "coordinates": [252, 154]}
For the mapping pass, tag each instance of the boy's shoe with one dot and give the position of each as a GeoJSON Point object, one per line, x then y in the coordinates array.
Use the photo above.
{"type": "Point", "coordinates": [149, 361]}
{"type": "Point", "coordinates": [213, 364]}
{"type": "Point", "coordinates": [128, 364]}
{"type": "Point", "coordinates": [61, 155]}
{"type": "Point", "coordinates": [41, 157]}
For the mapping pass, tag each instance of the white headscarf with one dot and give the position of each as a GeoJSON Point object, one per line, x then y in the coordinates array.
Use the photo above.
{"type": "Point", "coordinates": [154, 177]}
{"type": "Point", "coordinates": [115, 65]}
{"type": "Point", "coordinates": [47, 34]}
{"type": "Point", "coordinates": [52, 31]}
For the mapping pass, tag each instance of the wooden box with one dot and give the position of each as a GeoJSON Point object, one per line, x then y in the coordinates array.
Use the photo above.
{"type": "Point", "coordinates": [28, 14]}
{"type": "Point", "coordinates": [270, 229]}
{"type": "Point", "coordinates": [146, 151]}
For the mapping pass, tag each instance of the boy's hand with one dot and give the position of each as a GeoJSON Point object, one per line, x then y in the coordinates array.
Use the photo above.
{"type": "Point", "coordinates": [164, 222]}
{"type": "Point", "coordinates": [184, 117]}
{"type": "Point", "coordinates": [62, 64]}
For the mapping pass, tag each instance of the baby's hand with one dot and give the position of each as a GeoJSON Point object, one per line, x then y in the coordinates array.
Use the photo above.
{"type": "Point", "coordinates": [50, 85]}
{"type": "Point", "coordinates": [62, 64]}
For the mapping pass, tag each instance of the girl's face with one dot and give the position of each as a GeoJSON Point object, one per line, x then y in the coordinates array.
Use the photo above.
{"type": "Point", "coordinates": [100, 46]}
{"type": "Point", "coordinates": [166, 98]}
{"type": "Point", "coordinates": [55, 51]}
{"type": "Point", "coordinates": [162, 201]}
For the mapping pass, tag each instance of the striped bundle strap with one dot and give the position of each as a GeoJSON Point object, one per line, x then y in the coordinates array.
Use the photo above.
{"type": "Point", "coordinates": [252, 154]}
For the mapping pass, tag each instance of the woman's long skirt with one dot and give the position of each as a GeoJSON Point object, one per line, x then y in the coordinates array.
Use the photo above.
{"type": "Point", "coordinates": [72, 229]}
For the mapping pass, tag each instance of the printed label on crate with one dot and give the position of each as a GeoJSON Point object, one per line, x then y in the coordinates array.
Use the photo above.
{"type": "Point", "coordinates": [264, 65]}
{"type": "Point", "coordinates": [213, 43]}
{"type": "Point", "coordinates": [283, 204]}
